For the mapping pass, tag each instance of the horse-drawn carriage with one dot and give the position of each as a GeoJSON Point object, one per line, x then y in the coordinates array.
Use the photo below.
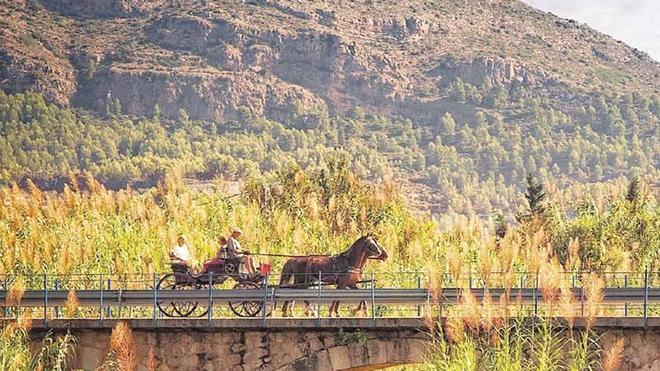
{"type": "Point", "coordinates": [342, 270]}
{"type": "Point", "coordinates": [214, 273]}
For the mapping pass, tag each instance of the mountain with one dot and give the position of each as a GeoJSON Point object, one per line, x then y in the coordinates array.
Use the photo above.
{"type": "Point", "coordinates": [453, 95]}
{"type": "Point", "coordinates": [391, 57]}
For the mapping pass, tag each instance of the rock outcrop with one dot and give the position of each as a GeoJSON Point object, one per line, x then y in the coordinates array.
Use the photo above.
{"type": "Point", "coordinates": [214, 58]}
{"type": "Point", "coordinates": [98, 8]}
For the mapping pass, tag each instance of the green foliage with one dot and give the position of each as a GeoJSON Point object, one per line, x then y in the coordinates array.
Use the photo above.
{"type": "Point", "coordinates": [515, 346]}
{"type": "Point", "coordinates": [633, 190]}
{"type": "Point", "coordinates": [476, 157]}
{"type": "Point", "coordinates": [16, 353]}
{"type": "Point", "coordinates": [353, 337]}
{"type": "Point", "coordinates": [536, 197]}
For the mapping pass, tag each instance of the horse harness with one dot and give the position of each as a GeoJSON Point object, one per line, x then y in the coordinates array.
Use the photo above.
{"type": "Point", "coordinates": [340, 264]}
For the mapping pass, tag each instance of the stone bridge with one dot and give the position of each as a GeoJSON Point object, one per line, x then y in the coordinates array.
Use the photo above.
{"type": "Point", "coordinates": [305, 344]}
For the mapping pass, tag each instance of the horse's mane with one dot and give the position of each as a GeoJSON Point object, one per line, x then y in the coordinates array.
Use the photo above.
{"type": "Point", "coordinates": [361, 239]}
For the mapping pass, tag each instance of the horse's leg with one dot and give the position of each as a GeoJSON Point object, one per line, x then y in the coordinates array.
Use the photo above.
{"type": "Point", "coordinates": [284, 280]}
{"type": "Point", "coordinates": [336, 303]}
{"type": "Point", "coordinates": [307, 281]}
{"type": "Point", "coordinates": [359, 308]}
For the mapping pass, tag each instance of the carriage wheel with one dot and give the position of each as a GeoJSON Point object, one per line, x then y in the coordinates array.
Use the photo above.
{"type": "Point", "coordinates": [174, 308]}
{"type": "Point", "coordinates": [247, 308]}
{"type": "Point", "coordinates": [168, 282]}
{"type": "Point", "coordinates": [230, 268]}
{"type": "Point", "coordinates": [186, 308]}
{"type": "Point", "coordinates": [203, 306]}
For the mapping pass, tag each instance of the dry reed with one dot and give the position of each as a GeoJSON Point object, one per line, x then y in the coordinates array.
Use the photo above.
{"type": "Point", "coordinates": [16, 292]}
{"type": "Point", "coordinates": [122, 345]}
{"type": "Point", "coordinates": [152, 360]}
{"type": "Point", "coordinates": [614, 356]}
{"type": "Point", "coordinates": [72, 304]}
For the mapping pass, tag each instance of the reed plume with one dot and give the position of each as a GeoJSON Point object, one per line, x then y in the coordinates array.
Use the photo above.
{"type": "Point", "coordinates": [614, 356]}
{"type": "Point", "coordinates": [152, 360]}
{"type": "Point", "coordinates": [16, 292]}
{"type": "Point", "coordinates": [455, 262]}
{"type": "Point", "coordinates": [455, 329]}
{"type": "Point", "coordinates": [593, 293]}
{"type": "Point", "coordinates": [72, 304]}
{"type": "Point", "coordinates": [122, 345]}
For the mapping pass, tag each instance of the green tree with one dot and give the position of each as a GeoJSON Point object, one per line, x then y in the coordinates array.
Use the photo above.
{"type": "Point", "coordinates": [632, 194]}
{"type": "Point", "coordinates": [536, 199]}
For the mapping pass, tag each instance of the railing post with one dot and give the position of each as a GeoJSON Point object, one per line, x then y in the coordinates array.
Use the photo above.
{"type": "Point", "coordinates": [108, 313]}
{"type": "Point", "coordinates": [520, 290]}
{"type": "Point", "coordinates": [419, 286]}
{"type": "Point", "coordinates": [56, 285]}
{"type": "Point", "coordinates": [625, 305]}
{"type": "Point", "coordinates": [582, 298]}
{"type": "Point", "coordinates": [536, 296]}
{"type": "Point", "coordinates": [265, 300]}
{"type": "Point", "coordinates": [210, 312]}
{"type": "Point", "coordinates": [373, 299]}
{"type": "Point", "coordinates": [46, 299]}
{"type": "Point", "coordinates": [318, 303]}
{"type": "Point", "coordinates": [646, 297]}
{"type": "Point", "coordinates": [4, 287]}
{"type": "Point", "coordinates": [101, 299]}
{"type": "Point", "coordinates": [573, 279]}
{"type": "Point", "coordinates": [155, 305]}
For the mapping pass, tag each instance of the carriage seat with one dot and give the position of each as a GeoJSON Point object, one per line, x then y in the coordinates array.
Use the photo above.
{"type": "Point", "coordinates": [179, 268]}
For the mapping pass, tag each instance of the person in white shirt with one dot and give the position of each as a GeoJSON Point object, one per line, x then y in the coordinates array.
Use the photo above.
{"type": "Point", "coordinates": [234, 249]}
{"type": "Point", "coordinates": [180, 253]}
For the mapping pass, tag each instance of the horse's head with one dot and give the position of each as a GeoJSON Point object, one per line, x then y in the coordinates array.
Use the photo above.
{"type": "Point", "coordinates": [373, 248]}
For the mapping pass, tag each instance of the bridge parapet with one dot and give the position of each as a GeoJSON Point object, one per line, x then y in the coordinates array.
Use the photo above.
{"type": "Point", "coordinates": [306, 344]}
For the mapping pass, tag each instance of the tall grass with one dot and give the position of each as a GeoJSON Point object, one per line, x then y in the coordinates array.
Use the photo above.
{"type": "Point", "coordinates": [16, 352]}
{"type": "Point", "coordinates": [87, 228]}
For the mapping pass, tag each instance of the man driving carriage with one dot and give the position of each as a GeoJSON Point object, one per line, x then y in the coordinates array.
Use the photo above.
{"type": "Point", "coordinates": [234, 250]}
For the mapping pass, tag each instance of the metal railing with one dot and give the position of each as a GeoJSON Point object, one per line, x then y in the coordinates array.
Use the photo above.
{"type": "Point", "coordinates": [387, 294]}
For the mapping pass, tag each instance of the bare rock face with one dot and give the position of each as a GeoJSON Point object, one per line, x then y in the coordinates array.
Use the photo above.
{"type": "Point", "coordinates": [205, 95]}
{"type": "Point", "coordinates": [97, 8]}
{"type": "Point", "coordinates": [54, 77]}
{"type": "Point", "coordinates": [216, 58]}
{"type": "Point", "coordinates": [497, 70]}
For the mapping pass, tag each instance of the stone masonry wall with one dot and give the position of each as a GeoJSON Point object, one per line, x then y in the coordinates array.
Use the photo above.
{"type": "Point", "coordinates": [307, 348]}
{"type": "Point", "coordinates": [257, 350]}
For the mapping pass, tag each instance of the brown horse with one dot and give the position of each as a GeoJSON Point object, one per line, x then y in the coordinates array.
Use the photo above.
{"type": "Point", "coordinates": [294, 268]}
{"type": "Point", "coordinates": [343, 270]}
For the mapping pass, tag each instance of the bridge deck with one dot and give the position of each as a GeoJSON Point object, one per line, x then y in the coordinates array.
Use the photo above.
{"type": "Point", "coordinates": [238, 324]}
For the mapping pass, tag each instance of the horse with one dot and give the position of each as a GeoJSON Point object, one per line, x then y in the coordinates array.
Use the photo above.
{"type": "Point", "coordinates": [294, 267]}
{"type": "Point", "coordinates": [343, 270]}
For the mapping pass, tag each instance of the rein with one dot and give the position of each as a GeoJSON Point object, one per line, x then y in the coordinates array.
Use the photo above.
{"type": "Point", "coordinates": [287, 256]}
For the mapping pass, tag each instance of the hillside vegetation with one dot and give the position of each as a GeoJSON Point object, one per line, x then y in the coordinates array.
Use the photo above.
{"type": "Point", "coordinates": [319, 212]}
{"type": "Point", "coordinates": [455, 100]}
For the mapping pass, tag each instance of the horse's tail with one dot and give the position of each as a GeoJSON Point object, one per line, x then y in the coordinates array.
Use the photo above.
{"type": "Point", "coordinates": [287, 272]}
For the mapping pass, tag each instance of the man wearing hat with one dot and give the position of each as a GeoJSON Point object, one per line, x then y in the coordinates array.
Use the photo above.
{"type": "Point", "coordinates": [234, 249]}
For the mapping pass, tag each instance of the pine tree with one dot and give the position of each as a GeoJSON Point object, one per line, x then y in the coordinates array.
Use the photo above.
{"type": "Point", "coordinates": [633, 190]}
{"type": "Point", "coordinates": [535, 197]}
{"type": "Point", "coordinates": [501, 226]}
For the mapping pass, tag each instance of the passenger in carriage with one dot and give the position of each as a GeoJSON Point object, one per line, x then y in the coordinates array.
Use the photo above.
{"type": "Point", "coordinates": [234, 250]}
{"type": "Point", "coordinates": [180, 255]}
{"type": "Point", "coordinates": [222, 249]}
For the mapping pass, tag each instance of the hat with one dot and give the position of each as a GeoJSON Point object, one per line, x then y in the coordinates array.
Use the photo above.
{"type": "Point", "coordinates": [236, 230]}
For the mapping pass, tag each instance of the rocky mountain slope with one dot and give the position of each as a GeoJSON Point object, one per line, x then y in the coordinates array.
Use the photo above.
{"type": "Point", "coordinates": [277, 58]}
{"type": "Point", "coordinates": [454, 99]}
